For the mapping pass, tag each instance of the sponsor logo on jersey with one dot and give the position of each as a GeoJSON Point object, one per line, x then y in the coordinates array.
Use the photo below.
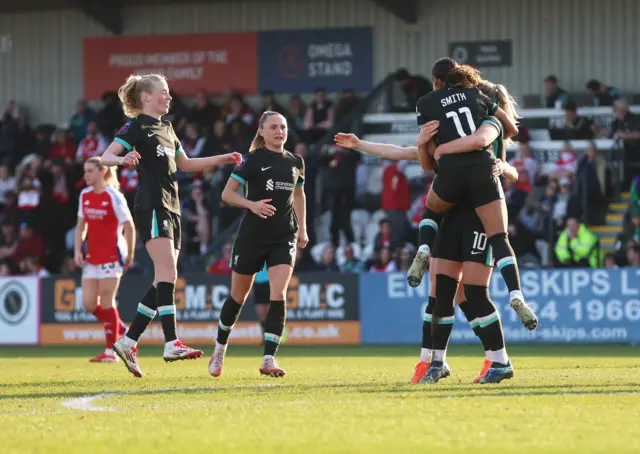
{"type": "Point", "coordinates": [279, 185]}
{"type": "Point", "coordinates": [294, 172]}
{"type": "Point", "coordinates": [162, 151]}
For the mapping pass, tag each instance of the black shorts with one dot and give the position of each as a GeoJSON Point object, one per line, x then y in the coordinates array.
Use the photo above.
{"type": "Point", "coordinates": [461, 238]}
{"type": "Point", "coordinates": [249, 256]}
{"type": "Point", "coordinates": [158, 223]}
{"type": "Point", "coordinates": [261, 293]}
{"type": "Point", "coordinates": [475, 184]}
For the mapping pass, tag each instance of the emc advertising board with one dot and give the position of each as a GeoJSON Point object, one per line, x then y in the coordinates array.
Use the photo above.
{"type": "Point", "coordinates": [322, 308]}
{"type": "Point", "coordinates": [299, 61]}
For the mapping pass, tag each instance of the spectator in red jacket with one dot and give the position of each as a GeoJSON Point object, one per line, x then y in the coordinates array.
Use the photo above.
{"type": "Point", "coordinates": [222, 265]}
{"type": "Point", "coordinates": [396, 196]}
{"type": "Point", "coordinates": [63, 147]}
{"type": "Point", "coordinates": [30, 244]}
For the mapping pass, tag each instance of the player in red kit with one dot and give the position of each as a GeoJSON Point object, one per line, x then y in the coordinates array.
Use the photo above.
{"type": "Point", "coordinates": [103, 217]}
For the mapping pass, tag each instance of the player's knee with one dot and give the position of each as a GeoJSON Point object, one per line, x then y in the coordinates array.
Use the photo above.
{"type": "Point", "coordinates": [90, 302]}
{"type": "Point", "coordinates": [276, 294]}
{"type": "Point", "coordinates": [166, 273]}
{"type": "Point", "coordinates": [476, 293]}
{"type": "Point", "coordinates": [447, 287]}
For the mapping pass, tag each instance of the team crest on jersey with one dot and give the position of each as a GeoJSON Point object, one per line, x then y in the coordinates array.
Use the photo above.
{"type": "Point", "coordinates": [125, 128]}
{"type": "Point", "coordinates": [240, 165]}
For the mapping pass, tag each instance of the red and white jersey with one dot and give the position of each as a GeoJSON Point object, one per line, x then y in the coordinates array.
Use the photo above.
{"type": "Point", "coordinates": [104, 212]}
{"type": "Point", "coordinates": [91, 145]}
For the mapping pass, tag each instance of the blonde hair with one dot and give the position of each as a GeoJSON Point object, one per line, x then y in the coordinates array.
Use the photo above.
{"type": "Point", "coordinates": [498, 93]}
{"type": "Point", "coordinates": [258, 140]}
{"type": "Point", "coordinates": [129, 93]}
{"type": "Point", "coordinates": [110, 177]}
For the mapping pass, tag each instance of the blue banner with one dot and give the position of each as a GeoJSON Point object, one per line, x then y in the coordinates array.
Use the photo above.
{"type": "Point", "coordinates": [299, 61]}
{"type": "Point", "coordinates": [573, 306]}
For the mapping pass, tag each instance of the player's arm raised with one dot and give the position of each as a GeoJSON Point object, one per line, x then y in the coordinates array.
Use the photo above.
{"type": "Point", "coordinates": [187, 164]}
{"type": "Point", "coordinates": [111, 156]}
{"type": "Point", "coordinates": [382, 150]}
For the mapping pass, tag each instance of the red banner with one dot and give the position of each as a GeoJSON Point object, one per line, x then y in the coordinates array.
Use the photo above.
{"type": "Point", "coordinates": [212, 62]}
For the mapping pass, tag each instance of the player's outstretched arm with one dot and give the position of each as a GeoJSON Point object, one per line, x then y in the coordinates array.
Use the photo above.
{"type": "Point", "coordinates": [187, 164]}
{"type": "Point", "coordinates": [382, 150]}
{"type": "Point", "coordinates": [484, 136]}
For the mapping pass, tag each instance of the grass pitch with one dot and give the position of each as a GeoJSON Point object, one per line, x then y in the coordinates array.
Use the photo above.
{"type": "Point", "coordinates": [582, 399]}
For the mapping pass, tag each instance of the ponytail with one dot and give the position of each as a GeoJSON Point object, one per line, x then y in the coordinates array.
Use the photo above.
{"type": "Point", "coordinates": [110, 176]}
{"type": "Point", "coordinates": [258, 140]}
{"type": "Point", "coordinates": [129, 93]}
{"type": "Point", "coordinates": [498, 93]}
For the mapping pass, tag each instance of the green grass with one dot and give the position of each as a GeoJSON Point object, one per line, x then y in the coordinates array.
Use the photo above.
{"type": "Point", "coordinates": [583, 399]}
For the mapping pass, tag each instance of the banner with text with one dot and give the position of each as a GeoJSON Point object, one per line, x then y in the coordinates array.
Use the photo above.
{"type": "Point", "coordinates": [299, 61]}
{"type": "Point", "coordinates": [573, 306]}
{"type": "Point", "coordinates": [212, 62]}
{"type": "Point", "coordinates": [19, 310]}
{"type": "Point", "coordinates": [322, 308]}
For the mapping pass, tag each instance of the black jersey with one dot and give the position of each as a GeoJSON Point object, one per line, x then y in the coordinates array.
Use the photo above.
{"type": "Point", "coordinates": [158, 146]}
{"type": "Point", "coordinates": [266, 174]}
{"type": "Point", "coordinates": [460, 112]}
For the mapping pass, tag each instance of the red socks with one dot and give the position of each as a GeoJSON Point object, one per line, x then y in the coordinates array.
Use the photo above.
{"type": "Point", "coordinates": [110, 318]}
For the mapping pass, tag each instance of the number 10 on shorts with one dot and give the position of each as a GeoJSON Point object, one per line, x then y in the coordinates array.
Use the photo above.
{"type": "Point", "coordinates": [479, 241]}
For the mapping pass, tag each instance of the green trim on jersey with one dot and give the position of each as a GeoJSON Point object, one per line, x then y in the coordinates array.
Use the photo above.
{"type": "Point", "coordinates": [178, 151]}
{"type": "Point", "coordinates": [123, 143]}
{"type": "Point", "coordinates": [155, 231]}
{"type": "Point", "coordinates": [239, 179]}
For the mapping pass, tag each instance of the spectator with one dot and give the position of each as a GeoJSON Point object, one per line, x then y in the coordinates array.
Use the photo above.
{"type": "Point", "coordinates": [79, 122]}
{"type": "Point", "coordinates": [405, 258]}
{"type": "Point", "coordinates": [198, 221]}
{"type": "Point", "coordinates": [347, 102]}
{"type": "Point", "coordinates": [386, 237]}
{"type": "Point", "coordinates": [328, 260]}
{"type": "Point", "coordinates": [635, 193]}
{"type": "Point", "coordinates": [589, 184]}
{"type": "Point", "coordinates": [222, 265]}
{"type": "Point", "coordinates": [383, 263]}
{"type": "Point", "coordinates": [342, 176]}
{"type": "Point", "coordinates": [204, 113]}
{"type": "Point", "coordinates": [9, 137]}
{"type": "Point", "coordinates": [129, 185]}
{"type": "Point", "coordinates": [63, 147]}
{"type": "Point", "coordinates": [610, 262]}
{"type": "Point", "coordinates": [8, 240]}
{"type": "Point", "coordinates": [93, 144]}
{"type": "Point", "coordinates": [396, 196]}
{"type": "Point", "coordinates": [269, 102]}
{"type": "Point", "coordinates": [412, 87]}
{"type": "Point", "coordinates": [515, 198]}
{"type": "Point", "coordinates": [633, 255]}
{"type": "Point", "coordinates": [567, 162]}
{"type": "Point", "coordinates": [557, 97]}
{"type": "Point", "coordinates": [319, 117]}
{"type": "Point", "coordinates": [576, 127]}
{"type": "Point", "coordinates": [111, 118]}
{"type": "Point", "coordinates": [28, 199]}
{"type": "Point", "coordinates": [5, 269]}
{"type": "Point", "coordinates": [527, 168]}
{"type": "Point", "coordinates": [630, 235]}
{"type": "Point", "coordinates": [626, 127]}
{"type": "Point", "coordinates": [577, 246]}
{"type": "Point", "coordinates": [7, 183]}
{"type": "Point", "coordinates": [10, 209]}
{"type": "Point", "coordinates": [193, 142]}
{"type": "Point", "coordinates": [297, 110]}
{"type": "Point", "coordinates": [352, 264]}
{"type": "Point", "coordinates": [30, 244]}
{"type": "Point", "coordinates": [241, 119]}
{"type": "Point", "coordinates": [69, 266]}
{"type": "Point", "coordinates": [566, 205]}
{"type": "Point", "coordinates": [42, 144]}
{"type": "Point", "coordinates": [30, 266]}
{"type": "Point", "coordinates": [603, 95]}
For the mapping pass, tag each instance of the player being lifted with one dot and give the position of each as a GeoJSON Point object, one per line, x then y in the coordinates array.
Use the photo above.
{"type": "Point", "coordinates": [154, 149]}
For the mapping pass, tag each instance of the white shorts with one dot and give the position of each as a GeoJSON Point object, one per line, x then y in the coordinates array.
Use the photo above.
{"type": "Point", "coordinates": [104, 271]}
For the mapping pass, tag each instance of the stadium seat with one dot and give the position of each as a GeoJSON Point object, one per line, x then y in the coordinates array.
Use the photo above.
{"type": "Point", "coordinates": [377, 217]}
{"type": "Point", "coordinates": [367, 252]}
{"type": "Point", "coordinates": [370, 233]}
{"type": "Point", "coordinates": [533, 101]}
{"type": "Point", "coordinates": [359, 221]}
{"type": "Point", "coordinates": [413, 171]}
{"type": "Point", "coordinates": [374, 180]}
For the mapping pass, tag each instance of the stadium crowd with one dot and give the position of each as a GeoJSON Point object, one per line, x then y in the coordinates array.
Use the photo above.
{"type": "Point", "coordinates": [41, 178]}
